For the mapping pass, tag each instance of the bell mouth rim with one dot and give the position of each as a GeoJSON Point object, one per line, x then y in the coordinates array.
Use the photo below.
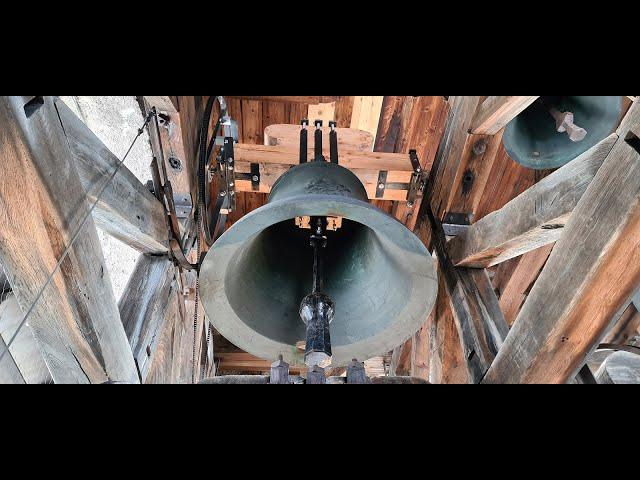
{"type": "Point", "coordinates": [411, 318]}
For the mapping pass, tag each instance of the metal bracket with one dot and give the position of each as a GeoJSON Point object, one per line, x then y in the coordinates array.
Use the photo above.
{"type": "Point", "coordinates": [455, 223]}
{"type": "Point", "coordinates": [227, 171]}
{"type": "Point", "coordinates": [255, 177]}
{"type": "Point", "coordinates": [418, 180]}
{"type": "Point", "coordinates": [183, 205]}
{"type": "Point", "coordinates": [382, 183]}
{"type": "Point", "coordinates": [229, 129]}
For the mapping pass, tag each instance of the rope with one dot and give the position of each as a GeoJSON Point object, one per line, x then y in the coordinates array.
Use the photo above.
{"type": "Point", "coordinates": [74, 238]}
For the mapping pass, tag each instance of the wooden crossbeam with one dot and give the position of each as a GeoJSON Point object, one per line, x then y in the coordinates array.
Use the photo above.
{"type": "Point", "coordinates": [42, 202]}
{"type": "Point", "coordinates": [592, 273]}
{"type": "Point", "coordinates": [291, 99]}
{"type": "Point", "coordinates": [126, 210]}
{"type": "Point", "coordinates": [533, 219]}
{"type": "Point", "coordinates": [245, 152]}
{"type": "Point", "coordinates": [275, 160]}
{"type": "Point", "coordinates": [9, 372]}
{"type": "Point", "coordinates": [24, 351]}
{"type": "Point", "coordinates": [285, 135]}
{"type": "Point", "coordinates": [242, 361]}
{"type": "Point", "coordinates": [148, 303]}
{"type": "Point", "coordinates": [495, 112]}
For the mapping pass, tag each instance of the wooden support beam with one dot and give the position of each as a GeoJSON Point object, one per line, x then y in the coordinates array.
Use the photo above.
{"type": "Point", "coordinates": [9, 372]}
{"type": "Point", "coordinates": [285, 135]}
{"type": "Point", "coordinates": [524, 276]}
{"type": "Point", "coordinates": [495, 112]}
{"type": "Point", "coordinates": [474, 305]}
{"type": "Point", "coordinates": [322, 111]}
{"type": "Point", "coordinates": [172, 362]}
{"type": "Point", "coordinates": [625, 327]}
{"type": "Point", "coordinates": [533, 219]}
{"type": "Point", "coordinates": [126, 210]}
{"type": "Point", "coordinates": [621, 368]}
{"type": "Point", "coordinates": [148, 303]}
{"type": "Point", "coordinates": [4, 284]}
{"type": "Point", "coordinates": [449, 155]}
{"type": "Point", "coordinates": [245, 152]}
{"type": "Point", "coordinates": [310, 100]}
{"type": "Point", "coordinates": [242, 361]}
{"type": "Point", "coordinates": [163, 104]}
{"type": "Point", "coordinates": [365, 114]}
{"type": "Point", "coordinates": [592, 272]}
{"type": "Point", "coordinates": [401, 359]}
{"type": "Point", "coordinates": [42, 203]}
{"type": "Point", "coordinates": [24, 351]}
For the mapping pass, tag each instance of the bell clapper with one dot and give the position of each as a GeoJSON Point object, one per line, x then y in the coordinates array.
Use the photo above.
{"type": "Point", "coordinates": [317, 309]}
{"type": "Point", "coordinates": [564, 123]}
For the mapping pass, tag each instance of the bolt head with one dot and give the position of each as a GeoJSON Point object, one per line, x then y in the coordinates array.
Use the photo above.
{"type": "Point", "coordinates": [381, 186]}
{"type": "Point", "coordinates": [255, 178]}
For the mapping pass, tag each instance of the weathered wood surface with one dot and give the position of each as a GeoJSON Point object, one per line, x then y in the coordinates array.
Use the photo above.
{"type": "Point", "coordinates": [447, 160]}
{"type": "Point", "coordinates": [401, 359]}
{"type": "Point", "coordinates": [284, 135]}
{"type": "Point", "coordinates": [365, 114]}
{"type": "Point", "coordinates": [9, 372]}
{"type": "Point", "coordinates": [437, 354]}
{"type": "Point", "coordinates": [126, 210]}
{"type": "Point", "coordinates": [625, 327]}
{"type": "Point", "coordinates": [146, 306]}
{"type": "Point", "coordinates": [163, 104]}
{"type": "Point", "coordinates": [42, 203]}
{"type": "Point", "coordinates": [495, 112]}
{"type": "Point", "coordinates": [592, 272]}
{"type": "Point", "coordinates": [254, 153]}
{"type": "Point", "coordinates": [5, 286]}
{"type": "Point", "coordinates": [533, 219]}
{"type": "Point", "coordinates": [311, 100]}
{"type": "Point", "coordinates": [24, 351]}
{"type": "Point", "coordinates": [475, 308]}
{"type": "Point", "coordinates": [522, 280]}
{"type": "Point", "coordinates": [619, 368]}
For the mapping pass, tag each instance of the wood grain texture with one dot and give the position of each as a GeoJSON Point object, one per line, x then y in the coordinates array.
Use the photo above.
{"type": "Point", "coordinates": [365, 114]}
{"type": "Point", "coordinates": [533, 219]}
{"type": "Point", "coordinates": [522, 280]}
{"type": "Point", "coordinates": [145, 307]}
{"type": "Point", "coordinates": [619, 368]}
{"type": "Point", "coordinates": [625, 328]}
{"type": "Point", "coordinates": [309, 100]}
{"type": "Point", "coordinates": [344, 111]}
{"type": "Point", "coordinates": [9, 372]}
{"type": "Point", "coordinates": [592, 272]}
{"type": "Point", "coordinates": [449, 153]}
{"type": "Point", "coordinates": [126, 210]}
{"type": "Point", "coordinates": [285, 135]}
{"type": "Point", "coordinates": [42, 202]}
{"type": "Point", "coordinates": [256, 153]}
{"type": "Point", "coordinates": [24, 351]}
{"type": "Point", "coordinates": [495, 112]}
{"type": "Point", "coordinates": [475, 308]}
{"type": "Point", "coordinates": [162, 104]}
{"type": "Point", "coordinates": [322, 111]}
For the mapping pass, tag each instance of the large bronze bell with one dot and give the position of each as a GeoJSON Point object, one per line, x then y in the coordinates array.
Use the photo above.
{"type": "Point", "coordinates": [556, 129]}
{"type": "Point", "coordinates": [258, 281]}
